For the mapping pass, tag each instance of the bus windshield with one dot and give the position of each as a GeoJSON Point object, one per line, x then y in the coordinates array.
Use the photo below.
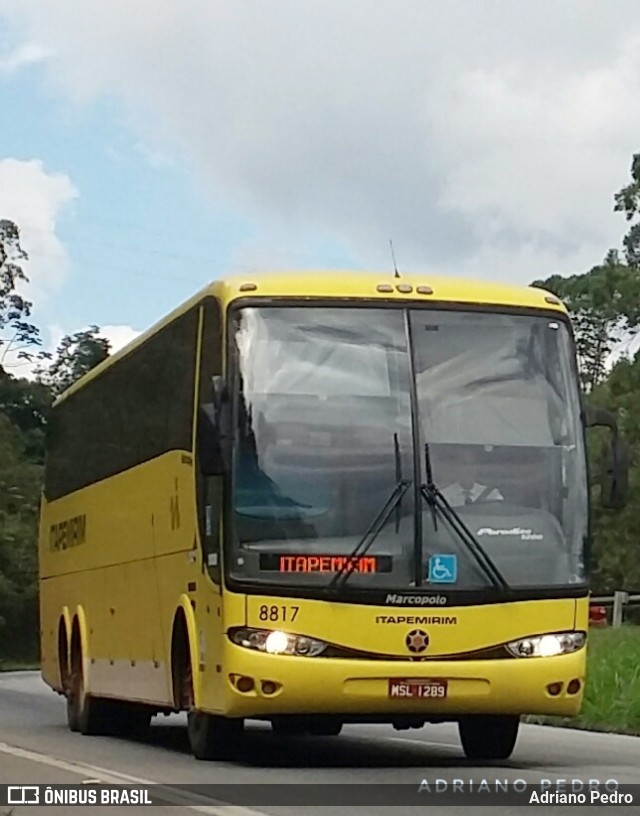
{"type": "Point", "coordinates": [325, 434]}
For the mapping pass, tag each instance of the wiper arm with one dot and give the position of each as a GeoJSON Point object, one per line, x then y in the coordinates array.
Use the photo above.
{"type": "Point", "coordinates": [398, 504]}
{"type": "Point", "coordinates": [437, 501]}
{"type": "Point", "coordinates": [362, 547]}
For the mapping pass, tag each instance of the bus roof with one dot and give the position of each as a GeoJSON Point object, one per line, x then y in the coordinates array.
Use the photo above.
{"type": "Point", "coordinates": [348, 283]}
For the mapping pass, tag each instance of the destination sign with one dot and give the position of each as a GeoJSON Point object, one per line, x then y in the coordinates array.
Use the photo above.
{"type": "Point", "coordinates": [279, 562]}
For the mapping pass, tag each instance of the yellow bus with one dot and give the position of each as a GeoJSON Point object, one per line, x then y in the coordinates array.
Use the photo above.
{"type": "Point", "coordinates": [325, 498]}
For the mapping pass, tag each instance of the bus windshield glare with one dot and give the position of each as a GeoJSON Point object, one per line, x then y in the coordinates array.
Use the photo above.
{"type": "Point", "coordinates": [325, 440]}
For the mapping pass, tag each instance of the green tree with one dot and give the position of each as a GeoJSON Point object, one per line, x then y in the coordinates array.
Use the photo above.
{"type": "Point", "coordinates": [20, 482]}
{"type": "Point", "coordinates": [76, 355]}
{"type": "Point", "coordinates": [26, 404]}
{"type": "Point", "coordinates": [605, 309]}
{"type": "Point", "coordinates": [616, 563]}
{"type": "Point", "coordinates": [18, 337]}
{"type": "Point", "coordinates": [627, 200]}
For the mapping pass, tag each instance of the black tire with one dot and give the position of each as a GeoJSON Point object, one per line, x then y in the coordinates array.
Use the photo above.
{"type": "Point", "coordinates": [126, 719]}
{"type": "Point", "coordinates": [488, 737]}
{"type": "Point", "coordinates": [86, 714]}
{"type": "Point", "coordinates": [213, 737]}
{"type": "Point", "coordinates": [73, 713]}
{"type": "Point", "coordinates": [74, 693]}
{"type": "Point", "coordinates": [93, 718]}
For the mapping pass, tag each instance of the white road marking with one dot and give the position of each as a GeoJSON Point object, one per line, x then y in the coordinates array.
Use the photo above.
{"type": "Point", "coordinates": [418, 742]}
{"type": "Point", "coordinates": [105, 776]}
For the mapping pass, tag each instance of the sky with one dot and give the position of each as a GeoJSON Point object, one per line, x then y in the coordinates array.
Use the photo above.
{"type": "Point", "coordinates": [149, 147]}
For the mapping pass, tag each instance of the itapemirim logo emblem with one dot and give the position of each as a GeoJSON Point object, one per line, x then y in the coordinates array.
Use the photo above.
{"type": "Point", "coordinates": [417, 641]}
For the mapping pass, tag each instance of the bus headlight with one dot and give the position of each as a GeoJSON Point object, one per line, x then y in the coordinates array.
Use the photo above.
{"type": "Point", "coordinates": [548, 645]}
{"type": "Point", "coordinates": [276, 642]}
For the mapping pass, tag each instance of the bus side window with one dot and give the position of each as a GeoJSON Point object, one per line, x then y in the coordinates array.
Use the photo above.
{"type": "Point", "coordinates": [209, 488]}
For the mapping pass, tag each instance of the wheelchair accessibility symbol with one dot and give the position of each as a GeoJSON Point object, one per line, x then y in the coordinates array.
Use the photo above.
{"type": "Point", "coordinates": [443, 569]}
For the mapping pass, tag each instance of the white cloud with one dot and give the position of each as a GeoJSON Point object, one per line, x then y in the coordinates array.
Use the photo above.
{"type": "Point", "coordinates": [486, 138]}
{"type": "Point", "coordinates": [34, 198]}
{"type": "Point", "coordinates": [24, 55]}
{"type": "Point", "coordinates": [119, 336]}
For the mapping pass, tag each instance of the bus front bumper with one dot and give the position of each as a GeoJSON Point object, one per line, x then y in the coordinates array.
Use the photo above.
{"type": "Point", "coordinates": [275, 685]}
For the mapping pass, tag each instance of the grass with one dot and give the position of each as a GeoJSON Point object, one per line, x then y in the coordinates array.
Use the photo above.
{"type": "Point", "coordinates": [18, 665]}
{"type": "Point", "coordinates": [612, 693]}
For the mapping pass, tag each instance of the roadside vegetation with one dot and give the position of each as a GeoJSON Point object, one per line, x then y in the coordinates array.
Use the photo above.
{"type": "Point", "coordinates": [18, 665]}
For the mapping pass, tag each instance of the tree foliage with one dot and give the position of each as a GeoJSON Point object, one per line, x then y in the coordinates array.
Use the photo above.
{"type": "Point", "coordinates": [627, 200]}
{"type": "Point", "coordinates": [605, 310]}
{"type": "Point", "coordinates": [19, 338]}
{"type": "Point", "coordinates": [26, 405]}
{"type": "Point", "coordinates": [20, 480]}
{"type": "Point", "coordinates": [616, 562]}
{"type": "Point", "coordinates": [76, 355]}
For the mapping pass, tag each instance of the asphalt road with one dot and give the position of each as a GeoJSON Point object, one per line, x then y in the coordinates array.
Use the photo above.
{"type": "Point", "coordinates": [36, 747]}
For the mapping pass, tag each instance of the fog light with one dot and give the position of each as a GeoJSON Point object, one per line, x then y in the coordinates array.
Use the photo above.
{"type": "Point", "coordinates": [574, 686]}
{"type": "Point", "coordinates": [245, 684]}
{"type": "Point", "coordinates": [554, 689]}
{"type": "Point", "coordinates": [269, 687]}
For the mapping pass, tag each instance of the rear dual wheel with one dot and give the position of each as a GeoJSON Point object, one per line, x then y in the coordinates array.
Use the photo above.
{"type": "Point", "coordinates": [93, 716]}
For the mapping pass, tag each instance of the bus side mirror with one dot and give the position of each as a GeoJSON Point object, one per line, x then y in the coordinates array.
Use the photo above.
{"type": "Point", "coordinates": [214, 431]}
{"type": "Point", "coordinates": [220, 392]}
{"type": "Point", "coordinates": [615, 475]}
{"type": "Point", "coordinates": [614, 479]}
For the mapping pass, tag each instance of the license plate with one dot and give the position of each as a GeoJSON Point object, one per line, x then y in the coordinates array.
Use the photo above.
{"type": "Point", "coordinates": [410, 689]}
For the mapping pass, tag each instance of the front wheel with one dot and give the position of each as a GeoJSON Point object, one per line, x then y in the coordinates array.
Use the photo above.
{"type": "Point", "coordinates": [488, 737]}
{"type": "Point", "coordinates": [213, 737]}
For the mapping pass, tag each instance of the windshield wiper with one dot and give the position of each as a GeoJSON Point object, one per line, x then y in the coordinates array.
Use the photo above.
{"type": "Point", "coordinates": [362, 547]}
{"type": "Point", "coordinates": [437, 501]}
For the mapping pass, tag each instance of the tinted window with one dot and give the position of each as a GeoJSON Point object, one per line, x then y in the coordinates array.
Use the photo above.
{"type": "Point", "coordinates": [136, 410]}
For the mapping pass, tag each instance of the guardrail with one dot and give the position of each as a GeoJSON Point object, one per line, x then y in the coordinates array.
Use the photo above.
{"type": "Point", "coordinates": [619, 600]}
